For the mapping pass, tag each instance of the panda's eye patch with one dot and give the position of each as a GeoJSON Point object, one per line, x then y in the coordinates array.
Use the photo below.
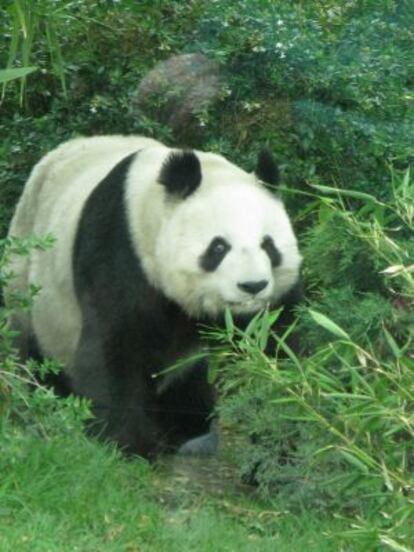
{"type": "Point", "coordinates": [268, 245]}
{"type": "Point", "coordinates": [214, 254]}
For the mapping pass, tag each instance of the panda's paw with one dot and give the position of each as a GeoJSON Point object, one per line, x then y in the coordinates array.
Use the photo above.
{"type": "Point", "coordinates": [205, 445]}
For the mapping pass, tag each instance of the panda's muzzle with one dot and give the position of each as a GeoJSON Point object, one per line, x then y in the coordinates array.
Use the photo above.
{"type": "Point", "coordinates": [253, 288]}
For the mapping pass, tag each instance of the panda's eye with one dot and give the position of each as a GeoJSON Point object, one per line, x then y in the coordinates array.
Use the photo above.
{"type": "Point", "coordinates": [218, 247]}
{"type": "Point", "coordinates": [214, 254]}
{"type": "Point", "coordinates": [268, 245]}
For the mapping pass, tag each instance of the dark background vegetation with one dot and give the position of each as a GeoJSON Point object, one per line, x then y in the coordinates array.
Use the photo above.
{"type": "Point", "coordinates": [329, 88]}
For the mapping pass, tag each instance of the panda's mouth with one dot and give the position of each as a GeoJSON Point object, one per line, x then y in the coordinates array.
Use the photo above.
{"type": "Point", "coordinates": [247, 306]}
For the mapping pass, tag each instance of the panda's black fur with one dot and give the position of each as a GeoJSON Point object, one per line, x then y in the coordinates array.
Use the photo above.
{"type": "Point", "coordinates": [136, 334]}
{"type": "Point", "coordinates": [131, 331]}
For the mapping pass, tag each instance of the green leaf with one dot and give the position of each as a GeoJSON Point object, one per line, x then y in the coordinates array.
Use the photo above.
{"type": "Point", "coordinates": [348, 193]}
{"type": "Point", "coordinates": [212, 373]}
{"type": "Point", "coordinates": [392, 344]}
{"type": "Point", "coordinates": [253, 325]}
{"type": "Point", "coordinates": [267, 321]}
{"type": "Point", "coordinates": [273, 316]}
{"type": "Point", "coordinates": [394, 545]}
{"type": "Point", "coordinates": [18, 73]}
{"type": "Point", "coordinates": [325, 211]}
{"type": "Point", "coordinates": [329, 325]}
{"type": "Point", "coordinates": [283, 400]}
{"type": "Point", "coordinates": [405, 183]}
{"type": "Point", "coordinates": [228, 320]}
{"type": "Point", "coordinates": [354, 461]}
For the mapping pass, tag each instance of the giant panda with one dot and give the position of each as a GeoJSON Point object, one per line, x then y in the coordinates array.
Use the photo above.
{"type": "Point", "coordinates": [149, 243]}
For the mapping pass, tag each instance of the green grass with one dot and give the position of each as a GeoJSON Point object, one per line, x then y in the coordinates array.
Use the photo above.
{"type": "Point", "coordinates": [67, 493]}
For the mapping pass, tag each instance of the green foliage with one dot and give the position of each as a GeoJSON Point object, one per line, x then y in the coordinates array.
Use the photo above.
{"type": "Point", "coordinates": [29, 20]}
{"type": "Point", "coordinates": [360, 314]}
{"type": "Point", "coordinates": [350, 261]}
{"type": "Point", "coordinates": [334, 428]}
{"type": "Point", "coordinates": [7, 75]}
{"type": "Point", "coordinates": [23, 402]}
{"type": "Point", "coordinates": [106, 49]}
{"type": "Point", "coordinates": [328, 86]}
{"type": "Point", "coordinates": [331, 437]}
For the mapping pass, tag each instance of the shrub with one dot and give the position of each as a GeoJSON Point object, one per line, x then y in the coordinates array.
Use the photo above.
{"type": "Point", "coordinates": [24, 403]}
{"type": "Point", "coordinates": [333, 428]}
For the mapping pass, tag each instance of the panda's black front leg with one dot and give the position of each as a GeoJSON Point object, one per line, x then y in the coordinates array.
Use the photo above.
{"type": "Point", "coordinates": [108, 373]}
{"type": "Point", "coordinates": [186, 410]}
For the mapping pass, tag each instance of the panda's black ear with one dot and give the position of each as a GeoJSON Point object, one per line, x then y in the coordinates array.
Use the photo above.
{"type": "Point", "coordinates": [181, 173]}
{"type": "Point", "coordinates": [266, 168]}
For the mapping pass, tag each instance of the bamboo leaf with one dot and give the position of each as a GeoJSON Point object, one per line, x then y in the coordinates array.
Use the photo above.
{"type": "Point", "coordinates": [228, 320]}
{"type": "Point", "coordinates": [253, 324]}
{"type": "Point", "coordinates": [387, 479]}
{"type": "Point", "coordinates": [286, 349]}
{"type": "Point", "coordinates": [392, 343]}
{"type": "Point", "coordinates": [21, 15]}
{"type": "Point", "coordinates": [12, 74]}
{"type": "Point", "coordinates": [405, 184]}
{"type": "Point", "coordinates": [351, 459]}
{"type": "Point", "coordinates": [348, 193]}
{"type": "Point", "coordinates": [329, 325]}
{"type": "Point", "coordinates": [394, 545]}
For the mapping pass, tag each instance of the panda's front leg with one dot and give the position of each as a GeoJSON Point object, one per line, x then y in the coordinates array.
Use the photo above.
{"type": "Point", "coordinates": [187, 403]}
{"type": "Point", "coordinates": [108, 373]}
{"type": "Point", "coordinates": [205, 445]}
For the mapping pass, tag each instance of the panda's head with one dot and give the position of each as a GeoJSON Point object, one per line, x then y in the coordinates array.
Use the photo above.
{"type": "Point", "coordinates": [223, 239]}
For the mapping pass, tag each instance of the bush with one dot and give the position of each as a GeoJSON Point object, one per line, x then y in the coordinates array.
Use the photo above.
{"type": "Point", "coordinates": [333, 428]}
{"type": "Point", "coordinates": [24, 403]}
{"type": "Point", "coordinates": [337, 81]}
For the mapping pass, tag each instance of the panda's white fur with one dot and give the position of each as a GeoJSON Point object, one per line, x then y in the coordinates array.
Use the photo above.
{"type": "Point", "coordinates": [169, 233]}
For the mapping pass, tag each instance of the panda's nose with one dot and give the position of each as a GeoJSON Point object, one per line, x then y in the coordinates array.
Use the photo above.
{"type": "Point", "coordinates": [253, 287]}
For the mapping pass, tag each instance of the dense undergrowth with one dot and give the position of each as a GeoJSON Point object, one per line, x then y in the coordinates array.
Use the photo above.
{"type": "Point", "coordinates": [329, 87]}
{"type": "Point", "coordinates": [333, 427]}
